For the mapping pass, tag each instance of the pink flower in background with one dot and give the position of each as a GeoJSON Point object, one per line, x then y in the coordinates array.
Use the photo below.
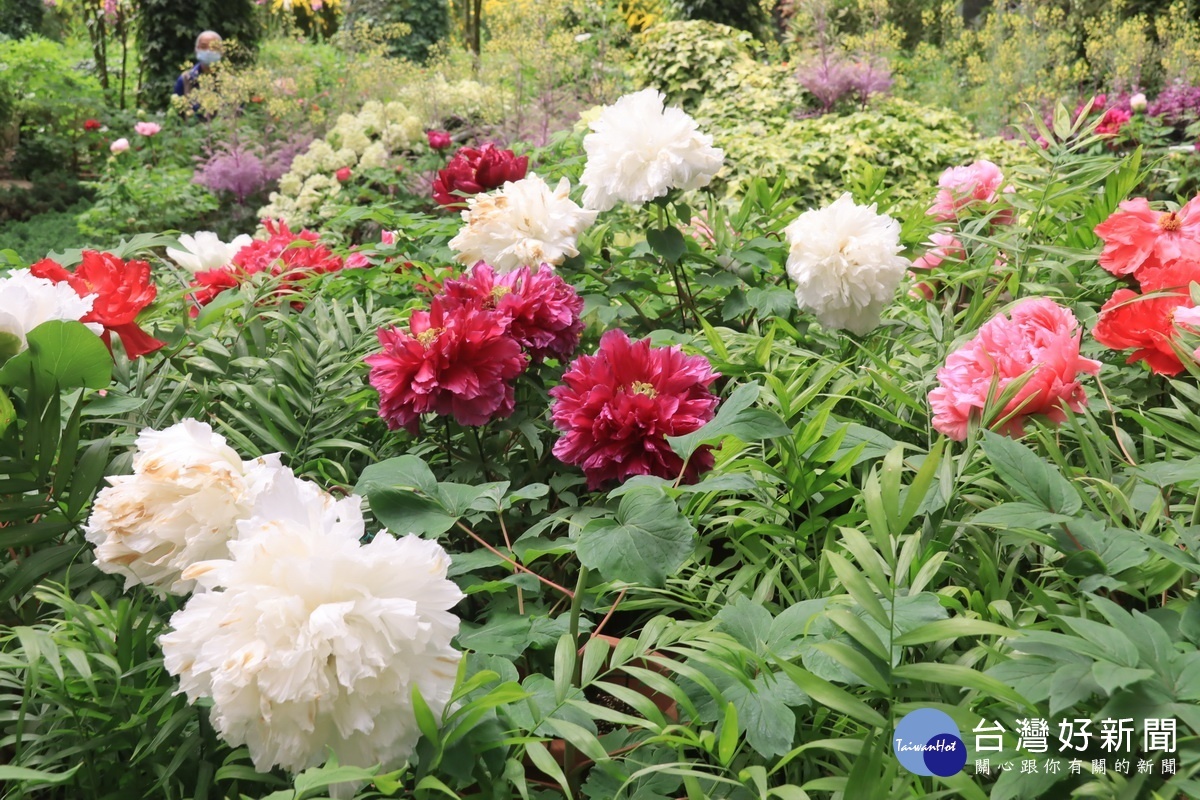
{"type": "Point", "coordinates": [1137, 237]}
{"type": "Point", "coordinates": [438, 140]}
{"type": "Point", "coordinates": [452, 362]}
{"type": "Point", "coordinates": [343, 174]}
{"type": "Point", "coordinates": [147, 128]}
{"type": "Point", "coordinates": [617, 408]}
{"type": "Point", "coordinates": [541, 308]}
{"type": "Point", "coordinates": [1112, 122]}
{"type": "Point", "coordinates": [962, 187]}
{"type": "Point", "coordinates": [119, 146]}
{"type": "Point", "coordinates": [387, 237]}
{"type": "Point", "coordinates": [1040, 341]}
{"type": "Point", "coordinates": [943, 246]}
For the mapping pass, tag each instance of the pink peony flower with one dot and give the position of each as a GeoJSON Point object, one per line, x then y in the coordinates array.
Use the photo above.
{"type": "Point", "coordinates": [438, 140]}
{"type": "Point", "coordinates": [961, 187]}
{"type": "Point", "coordinates": [387, 237]}
{"type": "Point", "coordinates": [1041, 337]}
{"type": "Point", "coordinates": [147, 128]}
{"type": "Point", "coordinates": [343, 174]}
{"type": "Point", "coordinates": [942, 246]}
{"type": "Point", "coordinates": [541, 308]}
{"type": "Point", "coordinates": [617, 408]}
{"type": "Point", "coordinates": [1112, 122]}
{"type": "Point", "coordinates": [119, 146]}
{"type": "Point", "coordinates": [454, 362]}
{"type": "Point", "coordinates": [1137, 237]}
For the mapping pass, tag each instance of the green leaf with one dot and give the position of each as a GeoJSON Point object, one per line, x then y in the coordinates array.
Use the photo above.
{"type": "Point", "coordinates": [10, 345]}
{"type": "Point", "coordinates": [648, 540]}
{"type": "Point", "coordinates": [9, 773]}
{"type": "Point", "coordinates": [828, 695]}
{"type": "Point", "coordinates": [1029, 476]}
{"type": "Point", "coordinates": [668, 243]}
{"type": "Point", "coordinates": [62, 353]}
{"type": "Point", "coordinates": [403, 472]}
{"type": "Point", "coordinates": [734, 418]}
{"type": "Point", "coordinates": [1111, 677]}
{"type": "Point", "coordinates": [746, 621]}
{"type": "Point", "coordinates": [1018, 515]}
{"type": "Point", "coordinates": [8, 414]}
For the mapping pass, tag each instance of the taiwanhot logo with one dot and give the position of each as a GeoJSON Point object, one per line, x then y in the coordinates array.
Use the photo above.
{"type": "Point", "coordinates": [927, 742]}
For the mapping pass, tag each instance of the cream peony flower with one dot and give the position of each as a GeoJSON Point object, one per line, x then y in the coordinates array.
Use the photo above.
{"type": "Point", "coordinates": [308, 640]}
{"type": "Point", "coordinates": [639, 150]}
{"type": "Point", "coordinates": [181, 505]}
{"type": "Point", "coordinates": [205, 251]}
{"type": "Point", "coordinates": [27, 301]}
{"type": "Point", "coordinates": [845, 261]}
{"type": "Point", "coordinates": [522, 224]}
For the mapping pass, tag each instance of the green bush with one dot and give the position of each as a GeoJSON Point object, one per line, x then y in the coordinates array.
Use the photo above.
{"type": "Point", "coordinates": [429, 21]}
{"type": "Point", "coordinates": [691, 60]}
{"type": "Point", "coordinates": [135, 198]}
{"type": "Point", "coordinates": [744, 14]}
{"type": "Point", "coordinates": [20, 18]}
{"type": "Point", "coordinates": [54, 231]}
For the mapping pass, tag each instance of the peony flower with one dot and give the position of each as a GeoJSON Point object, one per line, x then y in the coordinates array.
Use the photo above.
{"type": "Point", "coordinates": [962, 187]}
{"type": "Point", "coordinates": [147, 128]}
{"type": "Point", "coordinates": [541, 308]}
{"type": "Point", "coordinates": [1113, 120]}
{"type": "Point", "coordinates": [27, 301]}
{"type": "Point", "coordinates": [1147, 323]}
{"type": "Point", "coordinates": [942, 246]}
{"type": "Point", "coordinates": [455, 362]}
{"type": "Point", "coordinates": [122, 289]}
{"type": "Point", "coordinates": [617, 408]}
{"type": "Point", "coordinates": [845, 261]}
{"type": "Point", "coordinates": [1136, 236]}
{"type": "Point", "coordinates": [1041, 341]}
{"type": "Point", "coordinates": [639, 150]}
{"type": "Point", "coordinates": [472, 171]}
{"type": "Point", "coordinates": [524, 224]}
{"type": "Point", "coordinates": [1189, 320]}
{"type": "Point", "coordinates": [205, 251]}
{"type": "Point", "coordinates": [179, 507]}
{"type": "Point", "coordinates": [343, 174]}
{"type": "Point", "coordinates": [1137, 103]}
{"type": "Point", "coordinates": [388, 237]}
{"type": "Point", "coordinates": [308, 641]}
{"type": "Point", "coordinates": [92, 125]}
{"type": "Point", "coordinates": [438, 140]}
{"type": "Point", "coordinates": [119, 145]}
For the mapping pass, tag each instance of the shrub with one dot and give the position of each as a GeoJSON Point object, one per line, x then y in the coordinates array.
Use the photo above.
{"type": "Point", "coordinates": [428, 22]}
{"type": "Point", "coordinates": [20, 18]}
{"type": "Point", "coordinates": [134, 198]}
{"type": "Point", "coordinates": [691, 60]}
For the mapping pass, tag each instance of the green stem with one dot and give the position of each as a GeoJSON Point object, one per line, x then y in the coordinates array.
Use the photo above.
{"type": "Point", "coordinates": [576, 676]}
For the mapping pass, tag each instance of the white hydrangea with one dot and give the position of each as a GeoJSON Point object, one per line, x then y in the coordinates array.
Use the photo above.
{"type": "Point", "coordinates": [205, 251]}
{"type": "Point", "coordinates": [27, 301]}
{"type": "Point", "coordinates": [308, 641]}
{"type": "Point", "coordinates": [291, 183]}
{"type": "Point", "coordinates": [845, 261]}
{"type": "Point", "coordinates": [639, 150]}
{"type": "Point", "coordinates": [376, 155]}
{"type": "Point", "coordinates": [523, 224]}
{"type": "Point", "coordinates": [180, 506]}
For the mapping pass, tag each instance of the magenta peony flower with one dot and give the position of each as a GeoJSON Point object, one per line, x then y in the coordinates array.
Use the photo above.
{"type": "Point", "coordinates": [962, 187]}
{"type": "Point", "coordinates": [1041, 337]}
{"type": "Point", "coordinates": [438, 140]}
{"type": "Point", "coordinates": [541, 308]}
{"type": "Point", "coordinates": [455, 362]}
{"type": "Point", "coordinates": [147, 128]}
{"type": "Point", "coordinates": [473, 171]}
{"type": "Point", "coordinates": [617, 408]}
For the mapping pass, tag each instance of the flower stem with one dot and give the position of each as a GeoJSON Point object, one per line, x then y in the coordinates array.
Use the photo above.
{"type": "Point", "coordinates": [521, 567]}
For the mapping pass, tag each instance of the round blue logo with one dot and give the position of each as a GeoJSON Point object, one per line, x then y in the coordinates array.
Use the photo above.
{"type": "Point", "coordinates": [927, 742]}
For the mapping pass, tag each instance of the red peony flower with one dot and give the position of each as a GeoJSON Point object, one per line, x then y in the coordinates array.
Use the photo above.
{"type": "Point", "coordinates": [343, 174]}
{"type": "Point", "coordinates": [1112, 122]}
{"type": "Point", "coordinates": [541, 308]}
{"type": "Point", "coordinates": [617, 408]}
{"type": "Point", "coordinates": [1146, 322]}
{"type": "Point", "coordinates": [1041, 337]}
{"type": "Point", "coordinates": [473, 171]}
{"type": "Point", "coordinates": [438, 140]}
{"type": "Point", "coordinates": [452, 363]}
{"type": "Point", "coordinates": [1136, 236]}
{"type": "Point", "coordinates": [290, 256]}
{"type": "Point", "coordinates": [92, 125]}
{"type": "Point", "coordinates": [122, 289]}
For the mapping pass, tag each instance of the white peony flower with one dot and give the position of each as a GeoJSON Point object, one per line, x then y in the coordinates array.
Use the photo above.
{"type": "Point", "coordinates": [27, 301]}
{"type": "Point", "coordinates": [845, 261]}
{"type": "Point", "coordinates": [522, 224]}
{"type": "Point", "coordinates": [308, 640]}
{"type": "Point", "coordinates": [181, 505]}
{"type": "Point", "coordinates": [205, 251]}
{"type": "Point", "coordinates": [639, 150]}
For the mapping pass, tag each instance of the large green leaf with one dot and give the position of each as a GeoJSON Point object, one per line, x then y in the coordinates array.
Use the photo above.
{"type": "Point", "coordinates": [735, 418]}
{"type": "Point", "coordinates": [62, 353]}
{"type": "Point", "coordinates": [1030, 477]}
{"type": "Point", "coordinates": [647, 541]}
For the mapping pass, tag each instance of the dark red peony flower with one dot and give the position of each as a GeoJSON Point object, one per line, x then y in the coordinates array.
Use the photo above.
{"type": "Point", "coordinates": [452, 363]}
{"type": "Point", "coordinates": [617, 408]}
{"type": "Point", "coordinates": [122, 288]}
{"type": "Point", "coordinates": [438, 140]}
{"type": "Point", "coordinates": [343, 174]}
{"type": "Point", "coordinates": [541, 308]}
{"type": "Point", "coordinates": [1145, 324]}
{"type": "Point", "coordinates": [472, 171]}
{"type": "Point", "coordinates": [290, 256]}
{"type": "Point", "coordinates": [92, 125]}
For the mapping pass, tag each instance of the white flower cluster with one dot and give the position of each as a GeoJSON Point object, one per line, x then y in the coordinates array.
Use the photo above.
{"type": "Point", "coordinates": [306, 640]}
{"type": "Point", "coordinates": [523, 224]}
{"type": "Point", "coordinates": [846, 263]}
{"type": "Point", "coordinates": [27, 301]}
{"type": "Point", "coordinates": [363, 140]}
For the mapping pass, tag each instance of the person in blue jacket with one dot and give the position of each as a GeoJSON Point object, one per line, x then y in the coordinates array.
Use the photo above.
{"type": "Point", "coordinates": [208, 53]}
